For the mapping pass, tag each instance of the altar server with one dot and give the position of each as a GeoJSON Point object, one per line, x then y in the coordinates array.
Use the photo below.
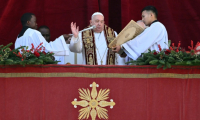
{"type": "Point", "coordinates": [29, 35]}
{"type": "Point", "coordinates": [150, 38]}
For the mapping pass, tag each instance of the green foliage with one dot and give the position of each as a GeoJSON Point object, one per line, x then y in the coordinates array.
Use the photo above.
{"type": "Point", "coordinates": [166, 59]}
{"type": "Point", "coordinates": [25, 57]}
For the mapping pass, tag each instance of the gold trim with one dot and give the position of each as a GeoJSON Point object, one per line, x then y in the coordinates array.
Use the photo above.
{"type": "Point", "coordinates": [101, 75]}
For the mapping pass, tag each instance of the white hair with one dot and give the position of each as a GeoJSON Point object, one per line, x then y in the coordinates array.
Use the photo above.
{"type": "Point", "coordinates": [96, 13]}
{"type": "Point", "coordinates": [139, 21]}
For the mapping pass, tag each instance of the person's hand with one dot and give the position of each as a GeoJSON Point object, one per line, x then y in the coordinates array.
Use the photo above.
{"type": "Point", "coordinates": [67, 38]}
{"type": "Point", "coordinates": [116, 49]}
{"type": "Point", "coordinates": [74, 29]}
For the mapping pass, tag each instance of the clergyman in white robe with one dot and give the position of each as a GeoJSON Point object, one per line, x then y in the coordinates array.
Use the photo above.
{"type": "Point", "coordinates": [150, 38]}
{"type": "Point", "coordinates": [76, 45]}
{"type": "Point", "coordinates": [33, 36]}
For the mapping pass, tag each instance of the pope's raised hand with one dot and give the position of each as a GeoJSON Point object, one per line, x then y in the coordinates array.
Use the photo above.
{"type": "Point", "coordinates": [74, 29]}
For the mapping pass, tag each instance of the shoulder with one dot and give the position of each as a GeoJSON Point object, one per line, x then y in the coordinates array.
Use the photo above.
{"type": "Point", "coordinates": [158, 24]}
{"type": "Point", "coordinates": [31, 32]}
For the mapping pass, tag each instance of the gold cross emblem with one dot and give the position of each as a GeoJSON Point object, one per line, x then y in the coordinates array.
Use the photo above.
{"type": "Point", "coordinates": [93, 103]}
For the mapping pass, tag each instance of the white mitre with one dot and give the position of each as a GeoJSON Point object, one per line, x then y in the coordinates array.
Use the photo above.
{"type": "Point", "coordinates": [96, 13]}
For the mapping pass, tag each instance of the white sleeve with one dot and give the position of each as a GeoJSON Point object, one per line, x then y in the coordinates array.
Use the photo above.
{"type": "Point", "coordinates": [56, 46]}
{"type": "Point", "coordinates": [119, 60]}
{"type": "Point", "coordinates": [76, 44]}
{"type": "Point", "coordinates": [144, 41]}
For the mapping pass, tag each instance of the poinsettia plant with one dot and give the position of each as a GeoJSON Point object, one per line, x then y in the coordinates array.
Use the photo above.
{"type": "Point", "coordinates": [172, 56]}
{"type": "Point", "coordinates": [24, 56]}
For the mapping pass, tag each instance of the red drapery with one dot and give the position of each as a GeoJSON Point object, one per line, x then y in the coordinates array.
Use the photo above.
{"type": "Point", "coordinates": [181, 18]}
{"type": "Point", "coordinates": [140, 92]}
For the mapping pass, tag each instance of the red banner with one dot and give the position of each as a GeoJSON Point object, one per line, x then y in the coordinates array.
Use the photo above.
{"type": "Point", "coordinates": [139, 92]}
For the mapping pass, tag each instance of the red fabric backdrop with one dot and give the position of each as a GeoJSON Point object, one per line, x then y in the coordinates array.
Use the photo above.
{"type": "Point", "coordinates": [181, 18]}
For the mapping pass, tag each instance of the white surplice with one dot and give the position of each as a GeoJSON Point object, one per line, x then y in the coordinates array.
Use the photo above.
{"type": "Point", "coordinates": [150, 38]}
{"type": "Point", "coordinates": [71, 58]}
{"type": "Point", "coordinates": [76, 45]}
{"type": "Point", "coordinates": [33, 36]}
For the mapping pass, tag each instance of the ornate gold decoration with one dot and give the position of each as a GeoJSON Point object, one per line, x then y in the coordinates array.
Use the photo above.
{"type": "Point", "coordinates": [93, 103]}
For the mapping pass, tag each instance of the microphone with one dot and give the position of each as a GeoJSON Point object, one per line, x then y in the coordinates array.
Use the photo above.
{"type": "Point", "coordinates": [92, 27]}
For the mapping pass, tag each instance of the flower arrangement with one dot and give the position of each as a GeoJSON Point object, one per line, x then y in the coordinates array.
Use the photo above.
{"type": "Point", "coordinates": [23, 56]}
{"type": "Point", "coordinates": [172, 56]}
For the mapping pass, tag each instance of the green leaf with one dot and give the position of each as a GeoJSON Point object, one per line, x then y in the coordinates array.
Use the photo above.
{"type": "Point", "coordinates": [2, 62]}
{"type": "Point", "coordinates": [168, 65]}
{"type": "Point", "coordinates": [162, 62]}
{"type": "Point", "coordinates": [189, 63]}
{"type": "Point", "coordinates": [186, 58]}
{"type": "Point", "coordinates": [8, 60]}
{"type": "Point", "coordinates": [141, 63]}
{"type": "Point", "coordinates": [153, 62]}
{"type": "Point", "coordinates": [196, 61]}
{"type": "Point", "coordinates": [159, 66]}
{"type": "Point", "coordinates": [165, 67]}
{"type": "Point", "coordinates": [140, 59]}
{"type": "Point", "coordinates": [30, 62]}
{"type": "Point", "coordinates": [169, 43]}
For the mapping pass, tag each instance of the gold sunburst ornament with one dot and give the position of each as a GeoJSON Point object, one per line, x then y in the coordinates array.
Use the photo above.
{"type": "Point", "coordinates": [93, 104]}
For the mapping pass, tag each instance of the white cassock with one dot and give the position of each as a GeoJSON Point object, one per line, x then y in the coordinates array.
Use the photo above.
{"type": "Point", "coordinates": [33, 36]}
{"type": "Point", "coordinates": [72, 58]}
{"type": "Point", "coordinates": [150, 38]}
{"type": "Point", "coordinates": [76, 45]}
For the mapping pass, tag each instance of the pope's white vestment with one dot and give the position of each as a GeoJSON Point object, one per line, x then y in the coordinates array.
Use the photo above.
{"type": "Point", "coordinates": [76, 45]}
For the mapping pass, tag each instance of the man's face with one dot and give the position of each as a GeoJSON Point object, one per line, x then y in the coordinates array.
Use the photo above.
{"type": "Point", "coordinates": [45, 33]}
{"type": "Point", "coordinates": [68, 40]}
{"type": "Point", "coordinates": [98, 21]}
{"type": "Point", "coordinates": [32, 23]}
{"type": "Point", "coordinates": [146, 17]}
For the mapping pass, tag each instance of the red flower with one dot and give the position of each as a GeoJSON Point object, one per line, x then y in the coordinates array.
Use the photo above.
{"type": "Point", "coordinates": [159, 47]}
{"type": "Point", "coordinates": [179, 44]}
{"type": "Point", "coordinates": [170, 48]}
{"type": "Point", "coordinates": [32, 46]}
{"type": "Point", "coordinates": [36, 54]}
{"type": "Point", "coordinates": [191, 47]}
{"type": "Point", "coordinates": [172, 44]}
{"type": "Point", "coordinates": [40, 49]}
{"type": "Point", "coordinates": [167, 52]}
{"type": "Point", "coordinates": [155, 53]}
{"type": "Point", "coordinates": [44, 52]}
{"type": "Point", "coordinates": [19, 54]}
{"type": "Point", "coordinates": [177, 50]}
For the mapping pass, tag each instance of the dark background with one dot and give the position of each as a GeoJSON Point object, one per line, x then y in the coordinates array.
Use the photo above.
{"type": "Point", "coordinates": [180, 17]}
